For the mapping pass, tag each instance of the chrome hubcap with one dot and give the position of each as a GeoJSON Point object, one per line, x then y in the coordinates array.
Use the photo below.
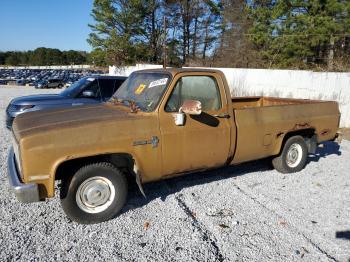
{"type": "Point", "coordinates": [294, 155]}
{"type": "Point", "coordinates": [95, 194]}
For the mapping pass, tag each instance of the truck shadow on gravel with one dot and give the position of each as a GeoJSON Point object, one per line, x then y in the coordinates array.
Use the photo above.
{"type": "Point", "coordinates": [163, 189]}
{"type": "Point", "coordinates": [325, 149]}
{"type": "Point", "coordinates": [343, 234]}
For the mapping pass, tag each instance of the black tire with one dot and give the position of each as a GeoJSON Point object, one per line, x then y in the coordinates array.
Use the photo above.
{"type": "Point", "coordinates": [60, 86]}
{"type": "Point", "coordinates": [285, 163]}
{"type": "Point", "coordinates": [104, 174]}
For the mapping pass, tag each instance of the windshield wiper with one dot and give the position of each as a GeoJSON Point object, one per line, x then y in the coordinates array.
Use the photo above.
{"type": "Point", "coordinates": [131, 103]}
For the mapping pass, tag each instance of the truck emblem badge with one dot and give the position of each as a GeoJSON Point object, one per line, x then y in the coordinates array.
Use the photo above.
{"type": "Point", "coordinates": [154, 142]}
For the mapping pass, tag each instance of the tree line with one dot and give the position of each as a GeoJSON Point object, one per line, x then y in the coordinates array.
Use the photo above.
{"type": "Point", "coordinates": [43, 56]}
{"type": "Point", "coordinates": [298, 34]}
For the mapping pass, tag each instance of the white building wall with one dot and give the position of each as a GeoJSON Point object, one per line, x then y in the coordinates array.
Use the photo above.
{"type": "Point", "coordinates": [127, 70]}
{"type": "Point", "coordinates": [280, 83]}
{"type": "Point", "coordinates": [293, 84]}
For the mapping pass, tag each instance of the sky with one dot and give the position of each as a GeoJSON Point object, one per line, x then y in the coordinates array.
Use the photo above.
{"type": "Point", "coordinates": [28, 24]}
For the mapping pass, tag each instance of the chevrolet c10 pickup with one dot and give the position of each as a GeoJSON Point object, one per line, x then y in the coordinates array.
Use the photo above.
{"type": "Point", "coordinates": [160, 123]}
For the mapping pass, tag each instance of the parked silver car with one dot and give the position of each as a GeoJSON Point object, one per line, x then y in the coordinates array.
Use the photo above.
{"type": "Point", "coordinates": [88, 90]}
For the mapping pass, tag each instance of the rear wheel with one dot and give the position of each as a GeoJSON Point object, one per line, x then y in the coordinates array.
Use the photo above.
{"type": "Point", "coordinates": [96, 193]}
{"type": "Point", "coordinates": [293, 156]}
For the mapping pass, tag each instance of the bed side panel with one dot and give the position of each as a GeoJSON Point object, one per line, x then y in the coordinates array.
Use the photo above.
{"type": "Point", "coordinates": [260, 130]}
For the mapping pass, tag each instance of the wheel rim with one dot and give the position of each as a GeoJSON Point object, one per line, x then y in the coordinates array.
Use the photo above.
{"type": "Point", "coordinates": [95, 194]}
{"type": "Point", "coordinates": [294, 155]}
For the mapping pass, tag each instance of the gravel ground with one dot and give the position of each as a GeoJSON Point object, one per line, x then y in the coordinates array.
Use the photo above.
{"type": "Point", "coordinates": [246, 212]}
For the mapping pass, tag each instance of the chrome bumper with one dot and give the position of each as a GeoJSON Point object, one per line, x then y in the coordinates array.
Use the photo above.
{"type": "Point", "coordinates": [25, 193]}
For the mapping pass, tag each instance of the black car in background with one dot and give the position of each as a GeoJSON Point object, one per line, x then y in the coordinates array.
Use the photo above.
{"type": "Point", "coordinates": [88, 90]}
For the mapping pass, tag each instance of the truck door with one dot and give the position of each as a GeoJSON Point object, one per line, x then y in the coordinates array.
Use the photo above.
{"type": "Point", "coordinates": [204, 140]}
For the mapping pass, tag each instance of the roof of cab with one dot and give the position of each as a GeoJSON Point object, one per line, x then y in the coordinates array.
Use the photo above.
{"type": "Point", "coordinates": [107, 77]}
{"type": "Point", "coordinates": [174, 71]}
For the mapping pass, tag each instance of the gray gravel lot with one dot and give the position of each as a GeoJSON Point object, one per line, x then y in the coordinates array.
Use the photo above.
{"type": "Point", "coordinates": [247, 212]}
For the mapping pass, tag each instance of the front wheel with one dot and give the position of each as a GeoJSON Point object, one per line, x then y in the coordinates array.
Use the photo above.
{"type": "Point", "coordinates": [293, 156]}
{"type": "Point", "coordinates": [96, 193]}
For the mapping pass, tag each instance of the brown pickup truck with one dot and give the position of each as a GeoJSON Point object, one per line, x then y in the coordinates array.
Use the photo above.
{"type": "Point", "coordinates": [160, 123]}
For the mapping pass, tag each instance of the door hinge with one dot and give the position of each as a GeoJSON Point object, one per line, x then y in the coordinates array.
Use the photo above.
{"type": "Point", "coordinates": [155, 141]}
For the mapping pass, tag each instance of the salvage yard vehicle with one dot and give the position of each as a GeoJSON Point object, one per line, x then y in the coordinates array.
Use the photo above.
{"type": "Point", "coordinates": [160, 123]}
{"type": "Point", "coordinates": [50, 83]}
{"type": "Point", "coordinates": [88, 90]}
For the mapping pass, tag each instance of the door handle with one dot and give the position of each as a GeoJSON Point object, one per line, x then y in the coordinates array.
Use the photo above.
{"type": "Point", "coordinates": [222, 116]}
{"type": "Point", "coordinates": [77, 104]}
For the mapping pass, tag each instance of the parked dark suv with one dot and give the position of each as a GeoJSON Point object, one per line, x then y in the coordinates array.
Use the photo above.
{"type": "Point", "coordinates": [51, 83]}
{"type": "Point", "coordinates": [88, 90]}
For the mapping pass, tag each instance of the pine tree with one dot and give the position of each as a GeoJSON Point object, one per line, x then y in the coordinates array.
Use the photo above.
{"type": "Point", "coordinates": [133, 31]}
{"type": "Point", "coordinates": [118, 29]}
{"type": "Point", "coordinates": [299, 33]}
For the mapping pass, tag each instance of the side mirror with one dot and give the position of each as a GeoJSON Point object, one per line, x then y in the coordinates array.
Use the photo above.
{"type": "Point", "coordinates": [88, 93]}
{"type": "Point", "coordinates": [191, 107]}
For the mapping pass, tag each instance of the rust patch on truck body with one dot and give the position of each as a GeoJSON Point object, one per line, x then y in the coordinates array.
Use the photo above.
{"type": "Point", "coordinates": [301, 126]}
{"type": "Point", "coordinates": [325, 132]}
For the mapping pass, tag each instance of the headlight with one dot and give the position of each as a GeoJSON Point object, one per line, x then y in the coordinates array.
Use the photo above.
{"type": "Point", "coordinates": [25, 107]}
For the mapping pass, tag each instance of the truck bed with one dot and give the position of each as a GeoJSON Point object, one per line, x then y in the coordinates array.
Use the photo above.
{"type": "Point", "coordinates": [261, 101]}
{"type": "Point", "coordinates": [262, 122]}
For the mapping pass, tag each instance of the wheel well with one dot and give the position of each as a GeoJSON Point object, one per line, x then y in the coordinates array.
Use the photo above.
{"type": "Point", "coordinates": [308, 134]}
{"type": "Point", "coordinates": [304, 133]}
{"type": "Point", "coordinates": [120, 160]}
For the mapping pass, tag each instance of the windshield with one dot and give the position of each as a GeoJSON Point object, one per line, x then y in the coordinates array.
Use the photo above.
{"type": "Point", "coordinates": [77, 87]}
{"type": "Point", "coordinates": [143, 89]}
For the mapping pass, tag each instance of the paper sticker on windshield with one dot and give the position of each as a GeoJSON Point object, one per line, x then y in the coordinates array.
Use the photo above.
{"type": "Point", "coordinates": [140, 89]}
{"type": "Point", "coordinates": [158, 82]}
{"type": "Point", "coordinates": [90, 79]}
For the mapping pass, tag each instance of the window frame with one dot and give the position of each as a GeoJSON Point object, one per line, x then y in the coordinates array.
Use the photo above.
{"type": "Point", "coordinates": [169, 85]}
{"type": "Point", "coordinates": [195, 74]}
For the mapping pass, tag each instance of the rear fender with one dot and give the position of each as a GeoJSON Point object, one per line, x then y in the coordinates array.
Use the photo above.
{"type": "Point", "coordinates": [308, 134]}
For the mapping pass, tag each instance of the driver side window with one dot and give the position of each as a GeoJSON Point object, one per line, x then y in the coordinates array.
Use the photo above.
{"type": "Point", "coordinates": [201, 88]}
{"type": "Point", "coordinates": [93, 87]}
